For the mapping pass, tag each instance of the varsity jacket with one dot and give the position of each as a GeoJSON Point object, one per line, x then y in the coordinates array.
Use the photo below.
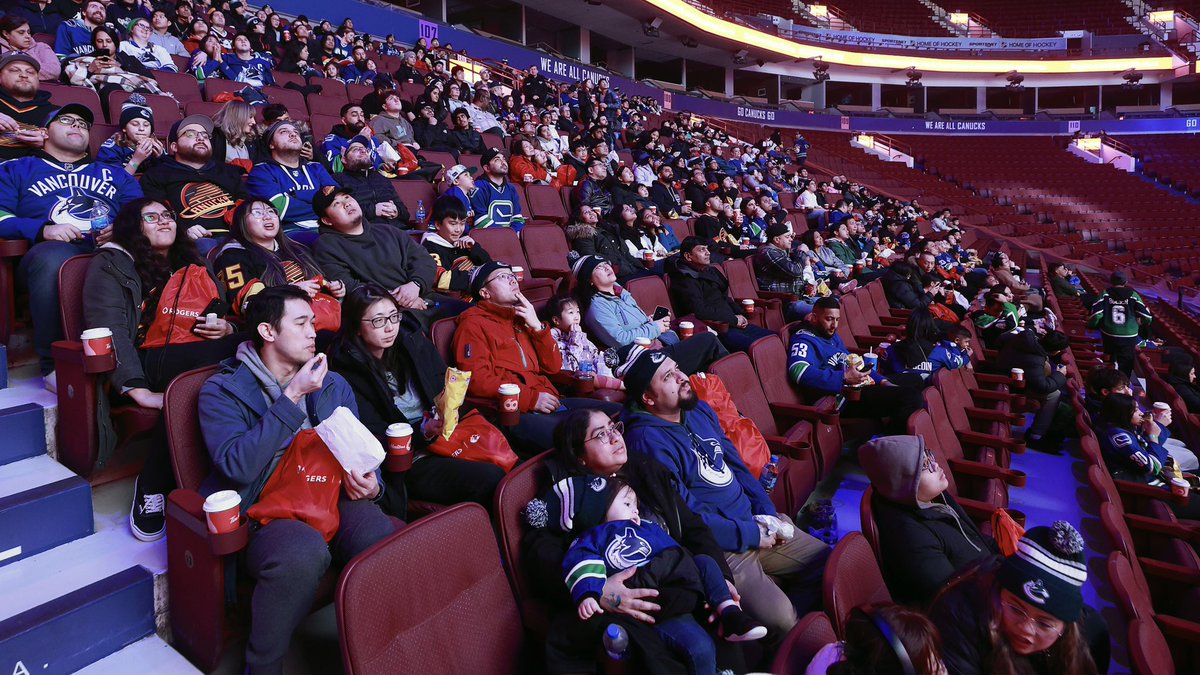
{"type": "Point", "coordinates": [497, 205]}
{"type": "Point", "coordinates": [289, 190]}
{"type": "Point", "coordinates": [254, 71]}
{"type": "Point", "coordinates": [38, 190]}
{"type": "Point", "coordinates": [711, 476]}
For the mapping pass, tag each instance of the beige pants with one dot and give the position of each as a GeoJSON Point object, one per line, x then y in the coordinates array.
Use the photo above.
{"type": "Point", "coordinates": [758, 573]}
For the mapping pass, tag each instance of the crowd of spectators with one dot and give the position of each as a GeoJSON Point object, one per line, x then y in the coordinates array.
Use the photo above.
{"type": "Point", "coordinates": [285, 226]}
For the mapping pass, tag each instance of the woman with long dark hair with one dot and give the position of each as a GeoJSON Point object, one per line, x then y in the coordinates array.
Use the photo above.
{"type": "Point", "coordinates": [1133, 447]}
{"type": "Point", "coordinates": [1026, 614]}
{"type": "Point", "coordinates": [124, 280]}
{"type": "Point", "coordinates": [396, 373]}
{"type": "Point", "coordinates": [107, 69]}
{"type": "Point", "coordinates": [869, 649]}
{"type": "Point", "coordinates": [258, 250]}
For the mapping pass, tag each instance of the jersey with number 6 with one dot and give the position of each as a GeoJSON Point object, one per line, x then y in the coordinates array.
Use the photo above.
{"type": "Point", "coordinates": [1119, 312]}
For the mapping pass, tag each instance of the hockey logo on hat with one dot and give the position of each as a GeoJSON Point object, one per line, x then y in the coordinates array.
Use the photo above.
{"type": "Point", "coordinates": [1036, 591]}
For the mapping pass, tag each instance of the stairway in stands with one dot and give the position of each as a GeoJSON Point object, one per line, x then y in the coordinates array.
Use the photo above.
{"type": "Point", "coordinates": [80, 594]}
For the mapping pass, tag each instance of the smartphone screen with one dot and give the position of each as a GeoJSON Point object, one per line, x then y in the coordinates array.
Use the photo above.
{"type": "Point", "coordinates": [661, 312]}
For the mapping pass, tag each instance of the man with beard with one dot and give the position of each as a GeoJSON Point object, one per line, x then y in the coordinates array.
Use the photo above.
{"type": "Point", "coordinates": [666, 197]}
{"type": "Point", "coordinates": [200, 190]}
{"type": "Point", "coordinates": [818, 365]}
{"type": "Point", "coordinates": [123, 11]}
{"type": "Point", "coordinates": [375, 194]}
{"type": "Point", "coordinates": [288, 182]}
{"type": "Point", "coordinates": [666, 420]}
{"type": "Point", "coordinates": [352, 124]}
{"type": "Point", "coordinates": [359, 71]}
{"type": "Point", "coordinates": [58, 199]}
{"type": "Point", "coordinates": [244, 65]}
{"type": "Point", "coordinates": [22, 105]}
{"type": "Point", "coordinates": [74, 37]}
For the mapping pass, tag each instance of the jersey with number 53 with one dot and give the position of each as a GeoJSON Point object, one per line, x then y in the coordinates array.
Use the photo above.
{"type": "Point", "coordinates": [817, 362]}
{"type": "Point", "coordinates": [1119, 312]}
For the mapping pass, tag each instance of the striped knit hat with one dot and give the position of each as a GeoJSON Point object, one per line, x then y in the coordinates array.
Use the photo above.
{"type": "Point", "coordinates": [1048, 570]}
{"type": "Point", "coordinates": [574, 504]}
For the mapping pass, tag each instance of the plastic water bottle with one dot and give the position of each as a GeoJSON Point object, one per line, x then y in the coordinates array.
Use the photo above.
{"type": "Point", "coordinates": [421, 211]}
{"type": "Point", "coordinates": [616, 642]}
{"type": "Point", "coordinates": [770, 474]}
{"type": "Point", "coordinates": [100, 217]}
{"type": "Point", "coordinates": [587, 367]}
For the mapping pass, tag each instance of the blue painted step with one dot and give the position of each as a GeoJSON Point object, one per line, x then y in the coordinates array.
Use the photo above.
{"type": "Point", "coordinates": [42, 505]}
{"type": "Point", "coordinates": [24, 429]}
{"type": "Point", "coordinates": [80, 627]}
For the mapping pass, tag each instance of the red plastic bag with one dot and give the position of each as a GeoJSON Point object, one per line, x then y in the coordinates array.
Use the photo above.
{"type": "Point", "coordinates": [185, 299]}
{"type": "Point", "coordinates": [476, 440]}
{"type": "Point", "coordinates": [742, 431]}
{"type": "Point", "coordinates": [328, 311]}
{"type": "Point", "coordinates": [305, 486]}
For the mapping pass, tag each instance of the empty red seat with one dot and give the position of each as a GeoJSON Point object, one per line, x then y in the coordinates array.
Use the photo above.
{"type": "Point", "coordinates": [62, 94]}
{"type": "Point", "coordinates": [183, 86]}
{"type": "Point", "coordinates": [852, 579]}
{"type": "Point", "coordinates": [325, 104]}
{"type": "Point", "coordinates": [413, 192]}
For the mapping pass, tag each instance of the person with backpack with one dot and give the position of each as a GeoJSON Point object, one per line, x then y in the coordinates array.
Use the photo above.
{"type": "Point", "coordinates": [1121, 315]}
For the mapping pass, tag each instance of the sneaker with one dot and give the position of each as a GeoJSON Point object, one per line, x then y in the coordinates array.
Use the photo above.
{"type": "Point", "coordinates": [147, 518]}
{"type": "Point", "coordinates": [1048, 444]}
{"type": "Point", "coordinates": [736, 626]}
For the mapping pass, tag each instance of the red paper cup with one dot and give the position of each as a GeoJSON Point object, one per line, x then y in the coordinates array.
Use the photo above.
{"type": "Point", "coordinates": [748, 306]}
{"type": "Point", "coordinates": [399, 447]}
{"type": "Point", "coordinates": [519, 273]}
{"type": "Point", "coordinates": [510, 402]}
{"type": "Point", "coordinates": [1180, 487]}
{"type": "Point", "coordinates": [223, 511]}
{"type": "Point", "coordinates": [686, 329]}
{"type": "Point", "coordinates": [586, 382]}
{"type": "Point", "coordinates": [97, 342]}
{"type": "Point", "coordinates": [647, 257]}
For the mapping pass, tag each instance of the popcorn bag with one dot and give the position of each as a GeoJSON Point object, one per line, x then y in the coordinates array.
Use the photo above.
{"type": "Point", "coordinates": [355, 448]}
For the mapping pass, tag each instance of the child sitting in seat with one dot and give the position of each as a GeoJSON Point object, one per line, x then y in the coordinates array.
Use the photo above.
{"type": "Point", "coordinates": [579, 354]}
{"type": "Point", "coordinates": [603, 513]}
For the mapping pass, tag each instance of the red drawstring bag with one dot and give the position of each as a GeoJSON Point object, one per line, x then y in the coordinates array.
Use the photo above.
{"type": "Point", "coordinates": [476, 440]}
{"type": "Point", "coordinates": [408, 161]}
{"type": "Point", "coordinates": [328, 311]}
{"type": "Point", "coordinates": [184, 300]}
{"type": "Point", "coordinates": [742, 431]}
{"type": "Point", "coordinates": [305, 486]}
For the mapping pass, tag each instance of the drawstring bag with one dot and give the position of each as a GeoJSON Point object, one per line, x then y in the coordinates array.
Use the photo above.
{"type": "Point", "coordinates": [305, 486]}
{"type": "Point", "coordinates": [476, 440]}
{"type": "Point", "coordinates": [746, 437]}
{"type": "Point", "coordinates": [186, 298]}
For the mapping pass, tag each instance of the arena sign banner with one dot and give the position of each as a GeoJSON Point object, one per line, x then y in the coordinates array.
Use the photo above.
{"type": "Point", "coordinates": [914, 43]}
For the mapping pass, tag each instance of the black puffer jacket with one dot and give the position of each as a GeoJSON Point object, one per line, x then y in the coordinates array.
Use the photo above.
{"type": "Point", "coordinates": [601, 239]}
{"type": "Point", "coordinates": [1022, 350]}
{"type": "Point", "coordinates": [703, 293]}
{"type": "Point", "coordinates": [903, 292]}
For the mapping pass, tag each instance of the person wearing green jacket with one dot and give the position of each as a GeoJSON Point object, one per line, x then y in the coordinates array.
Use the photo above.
{"type": "Point", "coordinates": [1121, 316]}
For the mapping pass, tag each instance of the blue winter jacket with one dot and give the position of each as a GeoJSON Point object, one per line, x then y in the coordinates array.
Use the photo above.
{"type": "Point", "coordinates": [710, 473]}
{"type": "Point", "coordinates": [1131, 454]}
{"type": "Point", "coordinates": [616, 320]}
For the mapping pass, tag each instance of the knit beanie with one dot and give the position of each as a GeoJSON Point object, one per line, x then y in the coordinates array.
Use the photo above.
{"type": "Point", "coordinates": [573, 504]}
{"type": "Point", "coordinates": [135, 107]}
{"type": "Point", "coordinates": [777, 229]}
{"type": "Point", "coordinates": [1048, 570]}
{"type": "Point", "coordinates": [582, 268]}
{"type": "Point", "coordinates": [636, 365]}
{"type": "Point", "coordinates": [479, 275]}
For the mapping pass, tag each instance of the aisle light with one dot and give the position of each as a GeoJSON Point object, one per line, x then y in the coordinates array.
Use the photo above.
{"type": "Point", "coordinates": [960, 18]}
{"type": "Point", "coordinates": [819, 11]}
{"type": "Point", "coordinates": [1164, 16]}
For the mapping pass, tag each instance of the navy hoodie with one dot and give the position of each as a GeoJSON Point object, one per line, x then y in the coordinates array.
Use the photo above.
{"type": "Point", "coordinates": [711, 476]}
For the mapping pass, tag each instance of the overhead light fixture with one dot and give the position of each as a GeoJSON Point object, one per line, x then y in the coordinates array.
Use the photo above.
{"type": "Point", "coordinates": [820, 11]}
{"type": "Point", "coordinates": [960, 18]}
{"type": "Point", "coordinates": [650, 28]}
{"type": "Point", "coordinates": [739, 57]}
{"type": "Point", "coordinates": [1133, 79]}
{"type": "Point", "coordinates": [914, 77]}
{"type": "Point", "coordinates": [689, 41]}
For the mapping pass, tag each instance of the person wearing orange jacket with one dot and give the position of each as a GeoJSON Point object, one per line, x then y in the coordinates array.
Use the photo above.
{"type": "Point", "coordinates": [501, 340]}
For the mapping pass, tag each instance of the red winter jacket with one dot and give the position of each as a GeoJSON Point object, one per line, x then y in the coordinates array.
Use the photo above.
{"type": "Point", "coordinates": [500, 349]}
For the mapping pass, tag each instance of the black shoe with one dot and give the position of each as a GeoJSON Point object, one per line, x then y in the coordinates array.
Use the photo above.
{"type": "Point", "coordinates": [736, 626]}
{"type": "Point", "coordinates": [1048, 444]}
{"type": "Point", "coordinates": [147, 518]}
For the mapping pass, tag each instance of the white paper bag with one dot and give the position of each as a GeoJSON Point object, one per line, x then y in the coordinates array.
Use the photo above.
{"type": "Point", "coordinates": [350, 442]}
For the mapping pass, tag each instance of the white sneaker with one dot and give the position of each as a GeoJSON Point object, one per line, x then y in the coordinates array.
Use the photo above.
{"type": "Point", "coordinates": [50, 382]}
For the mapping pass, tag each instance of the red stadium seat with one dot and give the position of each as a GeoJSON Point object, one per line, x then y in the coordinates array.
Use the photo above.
{"type": "Point", "coordinates": [356, 92]}
{"type": "Point", "coordinates": [325, 104]}
{"type": "Point", "coordinates": [412, 192]}
{"type": "Point", "coordinates": [546, 249]}
{"type": "Point", "coordinates": [523, 483]}
{"type": "Point", "coordinates": [214, 87]}
{"type": "Point", "coordinates": [503, 244]}
{"type": "Point", "coordinates": [290, 98]}
{"type": "Point", "coordinates": [182, 85]}
{"type": "Point", "coordinates": [852, 579]}
{"type": "Point", "coordinates": [544, 202]}
{"type": "Point", "coordinates": [166, 109]}
{"type": "Point", "coordinates": [330, 88]}
{"type": "Point", "coordinates": [62, 94]}
{"type": "Point", "coordinates": [802, 643]}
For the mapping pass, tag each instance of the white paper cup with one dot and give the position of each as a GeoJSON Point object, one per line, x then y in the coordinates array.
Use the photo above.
{"type": "Point", "coordinates": [223, 511]}
{"type": "Point", "coordinates": [1018, 374]}
{"type": "Point", "coordinates": [748, 306]}
{"type": "Point", "coordinates": [519, 273]}
{"type": "Point", "coordinates": [510, 402]}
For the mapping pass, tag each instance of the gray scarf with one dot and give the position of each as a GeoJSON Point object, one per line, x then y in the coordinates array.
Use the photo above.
{"type": "Point", "coordinates": [272, 388]}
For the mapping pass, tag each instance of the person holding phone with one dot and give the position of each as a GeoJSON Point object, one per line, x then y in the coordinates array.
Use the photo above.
{"type": "Point", "coordinates": [122, 294]}
{"type": "Point", "coordinates": [106, 69]}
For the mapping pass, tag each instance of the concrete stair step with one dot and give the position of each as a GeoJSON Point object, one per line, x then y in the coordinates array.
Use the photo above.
{"type": "Point", "coordinates": [148, 655]}
{"type": "Point", "coordinates": [42, 505]}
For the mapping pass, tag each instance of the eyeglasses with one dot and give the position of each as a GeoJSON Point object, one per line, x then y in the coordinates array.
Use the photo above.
{"type": "Point", "coordinates": [154, 218]}
{"type": "Point", "coordinates": [192, 134]}
{"type": "Point", "coordinates": [611, 434]}
{"type": "Point", "coordinates": [262, 213]}
{"type": "Point", "coordinates": [379, 321]}
{"type": "Point", "coordinates": [1020, 617]}
{"type": "Point", "coordinates": [929, 462]}
{"type": "Point", "coordinates": [72, 121]}
{"type": "Point", "coordinates": [504, 276]}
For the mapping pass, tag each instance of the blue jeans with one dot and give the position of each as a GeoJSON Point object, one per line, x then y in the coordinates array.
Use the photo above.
{"type": "Point", "coordinates": [798, 310]}
{"type": "Point", "coordinates": [689, 642]}
{"type": "Point", "coordinates": [740, 339]}
{"type": "Point", "coordinates": [39, 272]}
{"type": "Point", "coordinates": [716, 590]}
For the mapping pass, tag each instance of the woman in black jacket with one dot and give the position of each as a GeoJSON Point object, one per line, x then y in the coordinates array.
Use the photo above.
{"type": "Point", "coordinates": [1181, 375]}
{"type": "Point", "coordinates": [589, 235]}
{"type": "Point", "coordinates": [124, 280]}
{"type": "Point", "coordinates": [396, 373]}
{"type": "Point", "coordinates": [925, 537]}
{"type": "Point", "coordinates": [1044, 379]}
{"type": "Point", "coordinates": [589, 442]}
